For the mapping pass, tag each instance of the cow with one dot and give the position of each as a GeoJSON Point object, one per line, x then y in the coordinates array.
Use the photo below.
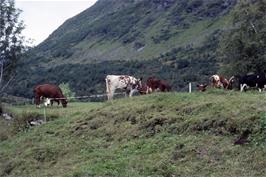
{"type": "Point", "coordinates": [155, 84]}
{"type": "Point", "coordinates": [50, 91]}
{"type": "Point", "coordinates": [128, 83]}
{"type": "Point", "coordinates": [144, 89]}
{"type": "Point", "coordinates": [202, 87]}
{"type": "Point", "coordinates": [219, 81]}
{"type": "Point", "coordinates": [252, 80]}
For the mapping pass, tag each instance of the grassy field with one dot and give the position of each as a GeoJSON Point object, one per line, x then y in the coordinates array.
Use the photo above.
{"type": "Point", "coordinates": [173, 134]}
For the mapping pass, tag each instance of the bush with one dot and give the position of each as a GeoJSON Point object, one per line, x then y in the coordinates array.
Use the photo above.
{"type": "Point", "coordinates": [67, 91]}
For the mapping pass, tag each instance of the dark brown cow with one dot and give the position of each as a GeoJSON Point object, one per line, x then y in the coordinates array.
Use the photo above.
{"type": "Point", "coordinates": [202, 87]}
{"type": "Point", "coordinates": [49, 91]}
{"type": "Point", "coordinates": [156, 84]}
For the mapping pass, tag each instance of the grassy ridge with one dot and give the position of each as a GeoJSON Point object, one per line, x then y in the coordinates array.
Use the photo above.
{"type": "Point", "coordinates": [174, 134]}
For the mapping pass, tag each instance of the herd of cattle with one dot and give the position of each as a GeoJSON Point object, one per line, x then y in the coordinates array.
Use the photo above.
{"type": "Point", "coordinates": [130, 84]}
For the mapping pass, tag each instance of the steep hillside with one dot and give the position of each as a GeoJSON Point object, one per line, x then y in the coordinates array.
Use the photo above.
{"type": "Point", "coordinates": [129, 30]}
{"type": "Point", "coordinates": [173, 40]}
{"type": "Point", "coordinates": [156, 135]}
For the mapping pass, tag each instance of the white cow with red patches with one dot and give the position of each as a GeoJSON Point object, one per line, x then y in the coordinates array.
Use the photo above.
{"type": "Point", "coordinates": [125, 82]}
{"type": "Point", "coordinates": [218, 81]}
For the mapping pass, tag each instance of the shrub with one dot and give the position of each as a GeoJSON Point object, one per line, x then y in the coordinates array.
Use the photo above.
{"type": "Point", "coordinates": [67, 91]}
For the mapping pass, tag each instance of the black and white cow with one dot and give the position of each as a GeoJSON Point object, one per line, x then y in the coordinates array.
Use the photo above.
{"type": "Point", "coordinates": [128, 83]}
{"type": "Point", "coordinates": [252, 80]}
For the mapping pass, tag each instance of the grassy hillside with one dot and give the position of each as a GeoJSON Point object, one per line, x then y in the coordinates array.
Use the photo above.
{"type": "Point", "coordinates": [129, 30]}
{"type": "Point", "coordinates": [174, 134]}
{"type": "Point", "coordinates": [173, 40]}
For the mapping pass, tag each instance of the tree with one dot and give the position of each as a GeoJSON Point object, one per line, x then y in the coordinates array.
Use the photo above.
{"type": "Point", "coordinates": [11, 41]}
{"type": "Point", "coordinates": [242, 47]}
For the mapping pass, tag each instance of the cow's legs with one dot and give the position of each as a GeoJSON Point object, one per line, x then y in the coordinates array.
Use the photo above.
{"type": "Point", "coordinates": [109, 90]}
{"type": "Point", "coordinates": [132, 92]}
{"type": "Point", "coordinates": [260, 88]}
{"type": "Point", "coordinates": [128, 93]}
{"type": "Point", "coordinates": [242, 87]}
{"type": "Point", "coordinates": [37, 101]}
{"type": "Point", "coordinates": [110, 93]}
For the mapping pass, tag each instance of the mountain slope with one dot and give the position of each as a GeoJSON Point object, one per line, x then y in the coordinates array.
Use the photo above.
{"type": "Point", "coordinates": [130, 30]}
{"type": "Point", "coordinates": [173, 40]}
{"type": "Point", "coordinates": [156, 135]}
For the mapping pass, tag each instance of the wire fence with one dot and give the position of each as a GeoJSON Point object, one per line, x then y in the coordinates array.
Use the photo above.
{"type": "Point", "coordinates": [83, 98]}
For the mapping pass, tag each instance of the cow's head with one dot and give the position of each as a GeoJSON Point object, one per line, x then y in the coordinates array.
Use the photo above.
{"type": "Point", "coordinates": [202, 87]}
{"type": "Point", "coordinates": [144, 89]}
{"type": "Point", "coordinates": [137, 84]}
{"type": "Point", "coordinates": [64, 102]}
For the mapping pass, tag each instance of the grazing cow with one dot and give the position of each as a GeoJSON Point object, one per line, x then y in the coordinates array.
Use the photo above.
{"type": "Point", "coordinates": [219, 81]}
{"type": "Point", "coordinates": [144, 89]}
{"type": "Point", "coordinates": [202, 87]}
{"type": "Point", "coordinates": [128, 83]}
{"type": "Point", "coordinates": [50, 91]}
{"type": "Point", "coordinates": [156, 84]}
{"type": "Point", "coordinates": [252, 80]}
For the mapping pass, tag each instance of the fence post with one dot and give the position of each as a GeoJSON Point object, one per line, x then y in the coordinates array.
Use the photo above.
{"type": "Point", "coordinates": [189, 88]}
{"type": "Point", "coordinates": [44, 113]}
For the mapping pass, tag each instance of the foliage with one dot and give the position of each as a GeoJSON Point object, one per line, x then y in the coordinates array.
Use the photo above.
{"type": "Point", "coordinates": [11, 40]}
{"type": "Point", "coordinates": [125, 22]}
{"type": "Point", "coordinates": [67, 91]}
{"type": "Point", "coordinates": [179, 66]}
{"type": "Point", "coordinates": [243, 47]}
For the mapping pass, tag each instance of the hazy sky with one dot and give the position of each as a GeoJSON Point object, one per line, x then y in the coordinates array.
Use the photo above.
{"type": "Point", "coordinates": [42, 17]}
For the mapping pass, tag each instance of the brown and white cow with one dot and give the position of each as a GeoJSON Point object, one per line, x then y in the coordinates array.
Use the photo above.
{"type": "Point", "coordinates": [50, 91]}
{"type": "Point", "coordinates": [156, 84]}
{"type": "Point", "coordinates": [219, 81]}
{"type": "Point", "coordinates": [128, 83]}
{"type": "Point", "coordinates": [144, 89]}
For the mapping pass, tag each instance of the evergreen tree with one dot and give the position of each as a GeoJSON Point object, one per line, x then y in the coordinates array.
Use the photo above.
{"type": "Point", "coordinates": [243, 47]}
{"type": "Point", "coordinates": [11, 41]}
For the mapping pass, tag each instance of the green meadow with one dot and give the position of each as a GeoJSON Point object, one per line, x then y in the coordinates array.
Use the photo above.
{"type": "Point", "coordinates": [162, 134]}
